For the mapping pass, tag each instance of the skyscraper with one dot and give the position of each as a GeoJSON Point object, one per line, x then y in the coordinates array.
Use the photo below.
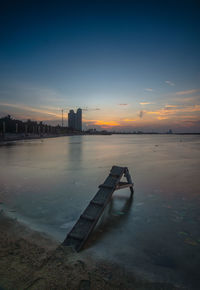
{"type": "Point", "coordinates": [75, 120]}
{"type": "Point", "coordinates": [79, 120]}
{"type": "Point", "coordinates": [71, 119]}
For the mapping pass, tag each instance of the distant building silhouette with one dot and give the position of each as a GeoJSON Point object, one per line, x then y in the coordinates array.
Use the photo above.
{"type": "Point", "coordinates": [75, 120]}
{"type": "Point", "coordinates": [170, 131]}
{"type": "Point", "coordinates": [79, 120]}
{"type": "Point", "coordinates": [71, 119]}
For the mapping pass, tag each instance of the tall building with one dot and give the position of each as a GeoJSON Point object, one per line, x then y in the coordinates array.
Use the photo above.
{"type": "Point", "coordinates": [75, 120]}
{"type": "Point", "coordinates": [79, 120]}
{"type": "Point", "coordinates": [71, 119]}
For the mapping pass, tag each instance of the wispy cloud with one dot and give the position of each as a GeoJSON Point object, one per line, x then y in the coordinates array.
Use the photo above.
{"type": "Point", "coordinates": [186, 100]}
{"type": "Point", "coordinates": [23, 107]}
{"type": "Point", "coordinates": [162, 117]}
{"type": "Point", "coordinates": [173, 110]}
{"type": "Point", "coordinates": [170, 83]}
{"type": "Point", "coordinates": [169, 107]}
{"type": "Point", "coordinates": [149, 89]}
{"type": "Point", "coordinates": [91, 109]}
{"type": "Point", "coordinates": [145, 103]}
{"type": "Point", "coordinates": [188, 92]}
{"type": "Point", "coordinates": [130, 120]}
{"type": "Point", "coordinates": [26, 93]}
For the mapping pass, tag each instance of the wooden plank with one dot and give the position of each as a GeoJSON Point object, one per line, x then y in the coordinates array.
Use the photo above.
{"type": "Point", "coordinates": [127, 174]}
{"type": "Point", "coordinates": [122, 185]}
{"type": "Point", "coordinates": [75, 237]}
{"type": "Point", "coordinates": [81, 227]}
{"type": "Point", "coordinates": [102, 194]}
{"type": "Point", "coordinates": [97, 203]}
{"type": "Point", "coordinates": [128, 177]}
{"type": "Point", "coordinates": [71, 242]}
{"type": "Point", "coordinates": [114, 175]}
{"type": "Point", "coordinates": [116, 170]}
{"type": "Point", "coordinates": [110, 182]}
{"type": "Point", "coordinates": [87, 221]}
{"type": "Point", "coordinates": [105, 186]}
{"type": "Point", "coordinates": [92, 210]}
{"type": "Point", "coordinates": [87, 217]}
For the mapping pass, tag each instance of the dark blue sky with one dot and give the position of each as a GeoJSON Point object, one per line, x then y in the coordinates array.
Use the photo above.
{"type": "Point", "coordinates": [100, 54]}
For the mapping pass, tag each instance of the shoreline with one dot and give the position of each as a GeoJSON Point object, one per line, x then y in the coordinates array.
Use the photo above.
{"type": "Point", "coordinates": [12, 138]}
{"type": "Point", "coordinates": [31, 137]}
{"type": "Point", "coordinates": [33, 260]}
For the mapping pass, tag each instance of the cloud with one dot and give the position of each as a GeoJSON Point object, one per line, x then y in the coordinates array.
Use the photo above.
{"type": "Point", "coordinates": [170, 83]}
{"type": "Point", "coordinates": [169, 110]}
{"type": "Point", "coordinates": [23, 107]}
{"type": "Point", "coordinates": [162, 117]}
{"type": "Point", "coordinates": [129, 120]}
{"type": "Point", "coordinates": [145, 103]}
{"type": "Point", "coordinates": [123, 104]}
{"type": "Point", "coordinates": [188, 92]}
{"type": "Point", "coordinates": [149, 89]}
{"type": "Point", "coordinates": [186, 100]}
{"type": "Point", "coordinates": [169, 107]}
{"type": "Point", "coordinates": [91, 109]}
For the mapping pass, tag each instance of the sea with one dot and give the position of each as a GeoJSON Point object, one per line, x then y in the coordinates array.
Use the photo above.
{"type": "Point", "coordinates": [47, 184]}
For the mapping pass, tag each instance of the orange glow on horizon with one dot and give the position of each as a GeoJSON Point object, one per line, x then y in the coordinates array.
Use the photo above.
{"type": "Point", "coordinates": [167, 115]}
{"type": "Point", "coordinates": [162, 118]}
{"type": "Point", "coordinates": [107, 123]}
{"type": "Point", "coordinates": [130, 120]}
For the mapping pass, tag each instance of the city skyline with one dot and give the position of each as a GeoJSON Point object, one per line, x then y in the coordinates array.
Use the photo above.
{"type": "Point", "coordinates": [129, 65]}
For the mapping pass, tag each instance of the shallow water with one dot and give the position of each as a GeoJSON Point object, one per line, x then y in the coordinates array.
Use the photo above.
{"type": "Point", "coordinates": [48, 183]}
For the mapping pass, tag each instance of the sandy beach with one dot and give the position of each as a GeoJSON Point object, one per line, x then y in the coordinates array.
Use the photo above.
{"type": "Point", "coordinates": [33, 260]}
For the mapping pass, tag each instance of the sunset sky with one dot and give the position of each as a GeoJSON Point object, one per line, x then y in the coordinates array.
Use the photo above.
{"type": "Point", "coordinates": [130, 65]}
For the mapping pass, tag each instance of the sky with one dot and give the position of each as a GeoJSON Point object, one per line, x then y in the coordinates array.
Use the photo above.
{"type": "Point", "coordinates": [130, 65]}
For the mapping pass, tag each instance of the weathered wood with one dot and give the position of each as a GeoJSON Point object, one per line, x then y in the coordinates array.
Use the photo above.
{"type": "Point", "coordinates": [79, 234]}
{"type": "Point", "coordinates": [122, 185]}
{"type": "Point", "coordinates": [128, 177]}
{"type": "Point", "coordinates": [116, 170]}
{"type": "Point", "coordinates": [75, 237]}
{"type": "Point", "coordinates": [127, 174]}
{"type": "Point", "coordinates": [110, 182]}
{"type": "Point", "coordinates": [105, 186]}
{"type": "Point", "coordinates": [87, 217]}
{"type": "Point", "coordinates": [97, 202]}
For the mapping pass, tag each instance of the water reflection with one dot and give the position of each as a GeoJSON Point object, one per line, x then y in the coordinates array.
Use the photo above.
{"type": "Point", "coordinates": [115, 215]}
{"type": "Point", "coordinates": [75, 150]}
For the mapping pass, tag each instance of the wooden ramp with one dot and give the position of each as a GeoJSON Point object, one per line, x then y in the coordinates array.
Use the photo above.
{"type": "Point", "coordinates": [79, 234]}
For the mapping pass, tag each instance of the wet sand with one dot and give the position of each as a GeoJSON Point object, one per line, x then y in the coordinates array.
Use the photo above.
{"type": "Point", "coordinates": [33, 260]}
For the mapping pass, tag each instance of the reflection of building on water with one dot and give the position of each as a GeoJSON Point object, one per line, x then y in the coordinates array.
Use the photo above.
{"type": "Point", "coordinates": [75, 150]}
{"type": "Point", "coordinates": [75, 120]}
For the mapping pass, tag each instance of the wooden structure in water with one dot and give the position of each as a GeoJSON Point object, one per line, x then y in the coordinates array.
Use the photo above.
{"type": "Point", "coordinates": [79, 234]}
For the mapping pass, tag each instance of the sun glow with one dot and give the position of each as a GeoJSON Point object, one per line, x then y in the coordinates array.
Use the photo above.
{"type": "Point", "coordinates": [106, 123]}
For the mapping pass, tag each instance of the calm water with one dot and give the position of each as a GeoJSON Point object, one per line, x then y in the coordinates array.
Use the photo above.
{"type": "Point", "coordinates": [48, 183]}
